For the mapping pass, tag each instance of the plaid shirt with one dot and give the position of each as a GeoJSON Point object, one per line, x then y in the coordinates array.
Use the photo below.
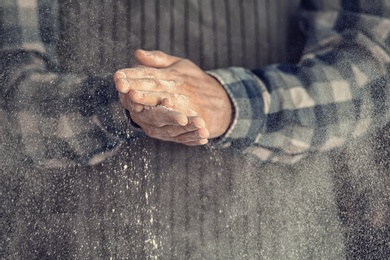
{"type": "Point", "coordinates": [338, 91]}
{"type": "Point", "coordinates": [57, 119]}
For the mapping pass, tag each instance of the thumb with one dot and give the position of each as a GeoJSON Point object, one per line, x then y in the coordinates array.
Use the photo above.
{"type": "Point", "coordinates": [155, 59]}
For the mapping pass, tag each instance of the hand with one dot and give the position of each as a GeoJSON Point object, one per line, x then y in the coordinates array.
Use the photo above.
{"type": "Point", "coordinates": [172, 99]}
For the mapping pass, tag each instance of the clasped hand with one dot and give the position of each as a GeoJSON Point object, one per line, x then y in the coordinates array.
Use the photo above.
{"type": "Point", "coordinates": [172, 99]}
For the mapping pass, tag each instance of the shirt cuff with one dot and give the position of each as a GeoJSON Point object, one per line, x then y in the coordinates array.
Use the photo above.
{"type": "Point", "coordinates": [246, 92]}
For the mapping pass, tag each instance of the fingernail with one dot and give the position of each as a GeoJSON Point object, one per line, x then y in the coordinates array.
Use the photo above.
{"type": "Point", "coordinates": [200, 124]}
{"type": "Point", "coordinates": [147, 53]}
{"type": "Point", "coordinates": [203, 141]}
{"type": "Point", "coordinates": [144, 52]}
{"type": "Point", "coordinates": [203, 133]}
{"type": "Point", "coordinates": [122, 75]}
{"type": "Point", "coordinates": [182, 121]}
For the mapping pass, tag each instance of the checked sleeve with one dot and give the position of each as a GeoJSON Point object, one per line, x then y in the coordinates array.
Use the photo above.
{"type": "Point", "coordinates": [339, 90]}
{"type": "Point", "coordinates": [56, 118]}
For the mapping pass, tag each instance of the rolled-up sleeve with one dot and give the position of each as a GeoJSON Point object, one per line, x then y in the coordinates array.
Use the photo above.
{"type": "Point", "coordinates": [337, 92]}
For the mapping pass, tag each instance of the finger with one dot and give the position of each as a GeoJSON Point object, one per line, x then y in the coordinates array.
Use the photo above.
{"type": "Point", "coordinates": [136, 100]}
{"type": "Point", "coordinates": [159, 116]}
{"type": "Point", "coordinates": [156, 59]}
{"type": "Point", "coordinates": [180, 103]}
{"type": "Point", "coordinates": [140, 72]}
{"type": "Point", "coordinates": [197, 122]}
{"type": "Point", "coordinates": [138, 107]}
{"type": "Point", "coordinates": [193, 136]}
{"type": "Point", "coordinates": [197, 137]}
{"type": "Point", "coordinates": [125, 101]}
{"type": "Point", "coordinates": [148, 98]}
{"type": "Point", "coordinates": [194, 123]}
{"type": "Point", "coordinates": [198, 142]}
{"type": "Point", "coordinates": [128, 104]}
{"type": "Point", "coordinates": [124, 77]}
{"type": "Point", "coordinates": [166, 102]}
{"type": "Point", "coordinates": [125, 85]}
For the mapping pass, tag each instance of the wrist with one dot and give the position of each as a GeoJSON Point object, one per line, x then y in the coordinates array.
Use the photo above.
{"type": "Point", "coordinates": [222, 113]}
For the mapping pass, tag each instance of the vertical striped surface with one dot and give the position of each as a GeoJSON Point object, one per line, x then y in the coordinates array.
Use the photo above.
{"type": "Point", "coordinates": [186, 204]}
{"type": "Point", "coordinates": [101, 36]}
